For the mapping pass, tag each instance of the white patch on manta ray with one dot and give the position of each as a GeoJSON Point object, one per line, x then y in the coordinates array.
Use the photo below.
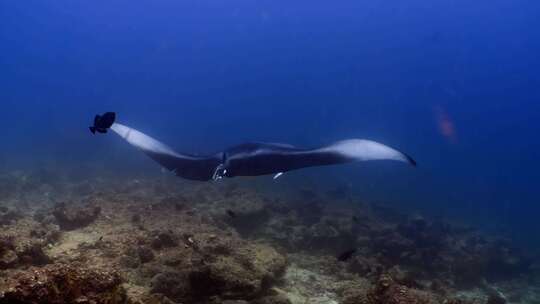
{"type": "Point", "coordinates": [141, 140]}
{"type": "Point", "coordinates": [364, 150]}
{"type": "Point", "coordinates": [278, 175]}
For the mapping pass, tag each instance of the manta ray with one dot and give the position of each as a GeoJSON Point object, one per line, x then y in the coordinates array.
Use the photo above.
{"type": "Point", "coordinates": [249, 159]}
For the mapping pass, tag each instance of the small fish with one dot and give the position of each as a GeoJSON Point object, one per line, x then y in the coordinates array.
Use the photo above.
{"type": "Point", "coordinates": [231, 213]}
{"type": "Point", "coordinates": [346, 255]}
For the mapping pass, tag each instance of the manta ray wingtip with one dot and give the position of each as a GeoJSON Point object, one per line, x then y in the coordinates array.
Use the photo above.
{"type": "Point", "coordinates": [410, 159]}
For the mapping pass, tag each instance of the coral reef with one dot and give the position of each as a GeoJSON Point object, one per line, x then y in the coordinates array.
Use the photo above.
{"type": "Point", "coordinates": [423, 250]}
{"type": "Point", "coordinates": [160, 240]}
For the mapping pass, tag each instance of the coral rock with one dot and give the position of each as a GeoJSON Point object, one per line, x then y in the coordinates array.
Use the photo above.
{"type": "Point", "coordinates": [59, 283]}
{"type": "Point", "coordinates": [70, 218]}
{"type": "Point", "coordinates": [7, 217]}
{"type": "Point", "coordinates": [8, 258]}
{"type": "Point", "coordinates": [242, 273]}
{"type": "Point", "coordinates": [170, 283]}
{"type": "Point", "coordinates": [164, 240]}
{"type": "Point", "coordinates": [145, 254]}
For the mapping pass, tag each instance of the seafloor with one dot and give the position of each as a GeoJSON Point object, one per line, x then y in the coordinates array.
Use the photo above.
{"type": "Point", "coordinates": [113, 239]}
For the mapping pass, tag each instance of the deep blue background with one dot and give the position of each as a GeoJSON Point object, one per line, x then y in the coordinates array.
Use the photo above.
{"type": "Point", "coordinates": [201, 75]}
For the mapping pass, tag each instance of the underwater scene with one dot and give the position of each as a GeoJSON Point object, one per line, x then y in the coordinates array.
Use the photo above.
{"type": "Point", "coordinates": [270, 152]}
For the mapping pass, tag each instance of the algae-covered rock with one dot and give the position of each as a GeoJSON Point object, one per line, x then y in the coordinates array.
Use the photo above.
{"type": "Point", "coordinates": [16, 251]}
{"type": "Point", "coordinates": [388, 291]}
{"type": "Point", "coordinates": [145, 254]}
{"type": "Point", "coordinates": [164, 239]}
{"type": "Point", "coordinates": [62, 283]}
{"type": "Point", "coordinates": [248, 272]}
{"type": "Point", "coordinates": [8, 216]}
{"type": "Point", "coordinates": [247, 213]}
{"type": "Point", "coordinates": [244, 274]}
{"type": "Point", "coordinates": [272, 299]}
{"type": "Point", "coordinates": [32, 254]}
{"type": "Point", "coordinates": [173, 284]}
{"type": "Point", "coordinates": [71, 217]}
{"type": "Point", "coordinates": [8, 258]}
{"type": "Point", "coordinates": [327, 234]}
{"type": "Point", "coordinates": [354, 292]}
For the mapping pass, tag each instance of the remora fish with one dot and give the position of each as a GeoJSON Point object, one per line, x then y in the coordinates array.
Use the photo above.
{"type": "Point", "coordinates": [249, 159]}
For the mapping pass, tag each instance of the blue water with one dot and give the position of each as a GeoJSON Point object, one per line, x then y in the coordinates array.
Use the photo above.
{"type": "Point", "coordinates": [456, 84]}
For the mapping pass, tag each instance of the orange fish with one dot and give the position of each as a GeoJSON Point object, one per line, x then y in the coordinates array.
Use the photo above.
{"type": "Point", "coordinates": [445, 124]}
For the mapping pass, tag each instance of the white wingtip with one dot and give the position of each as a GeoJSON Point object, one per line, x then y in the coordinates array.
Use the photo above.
{"type": "Point", "coordinates": [278, 175]}
{"type": "Point", "coordinates": [141, 140]}
{"type": "Point", "coordinates": [364, 150]}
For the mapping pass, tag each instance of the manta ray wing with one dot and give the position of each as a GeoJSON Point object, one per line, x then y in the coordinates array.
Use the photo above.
{"type": "Point", "coordinates": [249, 159]}
{"type": "Point", "coordinates": [264, 158]}
{"type": "Point", "coordinates": [364, 150]}
{"type": "Point", "coordinates": [186, 166]}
